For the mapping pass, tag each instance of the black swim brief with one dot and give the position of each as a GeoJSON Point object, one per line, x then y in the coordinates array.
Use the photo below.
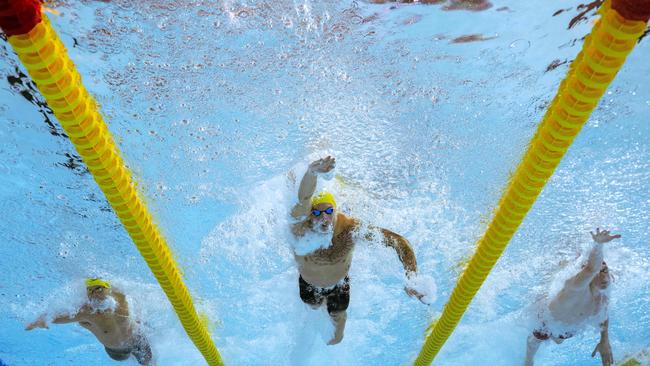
{"type": "Point", "coordinates": [139, 348]}
{"type": "Point", "coordinates": [119, 354]}
{"type": "Point", "coordinates": [338, 297]}
{"type": "Point", "coordinates": [543, 333]}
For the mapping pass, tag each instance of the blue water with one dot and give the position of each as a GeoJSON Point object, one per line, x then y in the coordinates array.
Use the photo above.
{"type": "Point", "coordinates": [214, 104]}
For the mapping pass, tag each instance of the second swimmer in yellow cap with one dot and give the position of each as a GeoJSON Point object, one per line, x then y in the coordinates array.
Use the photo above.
{"type": "Point", "coordinates": [324, 279]}
{"type": "Point", "coordinates": [106, 315]}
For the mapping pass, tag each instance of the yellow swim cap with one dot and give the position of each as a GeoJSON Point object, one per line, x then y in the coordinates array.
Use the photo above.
{"type": "Point", "coordinates": [90, 282]}
{"type": "Point", "coordinates": [323, 197]}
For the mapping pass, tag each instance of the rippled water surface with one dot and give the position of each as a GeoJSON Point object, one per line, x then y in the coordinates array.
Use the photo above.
{"type": "Point", "coordinates": [218, 106]}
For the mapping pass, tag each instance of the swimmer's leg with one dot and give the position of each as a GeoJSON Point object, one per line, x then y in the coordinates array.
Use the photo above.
{"type": "Point", "coordinates": [338, 318]}
{"type": "Point", "coordinates": [337, 304]}
{"type": "Point", "coordinates": [531, 348]}
{"type": "Point", "coordinates": [142, 350]}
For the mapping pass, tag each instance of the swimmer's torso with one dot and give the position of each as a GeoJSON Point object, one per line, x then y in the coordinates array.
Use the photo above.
{"type": "Point", "coordinates": [575, 308]}
{"type": "Point", "coordinates": [325, 267]}
{"type": "Point", "coordinates": [112, 328]}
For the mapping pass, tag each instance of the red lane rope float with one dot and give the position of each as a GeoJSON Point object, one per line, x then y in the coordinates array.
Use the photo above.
{"type": "Point", "coordinates": [19, 16]}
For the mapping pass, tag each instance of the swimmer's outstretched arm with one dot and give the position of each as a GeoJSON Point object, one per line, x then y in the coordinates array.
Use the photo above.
{"type": "Point", "coordinates": [308, 185]}
{"type": "Point", "coordinates": [404, 252]}
{"type": "Point", "coordinates": [41, 321]}
{"type": "Point", "coordinates": [63, 319]}
{"type": "Point", "coordinates": [403, 249]}
{"type": "Point", "coordinates": [603, 347]}
{"type": "Point", "coordinates": [594, 262]}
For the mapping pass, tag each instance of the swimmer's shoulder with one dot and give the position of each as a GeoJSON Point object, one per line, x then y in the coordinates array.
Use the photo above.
{"type": "Point", "coordinates": [346, 223]}
{"type": "Point", "coordinates": [84, 312]}
{"type": "Point", "coordinates": [122, 304]}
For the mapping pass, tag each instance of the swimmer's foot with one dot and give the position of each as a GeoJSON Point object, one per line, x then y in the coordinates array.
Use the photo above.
{"type": "Point", "coordinates": [336, 340]}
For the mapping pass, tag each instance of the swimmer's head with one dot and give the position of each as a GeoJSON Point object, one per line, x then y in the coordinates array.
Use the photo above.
{"type": "Point", "coordinates": [602, 279]}
{"type": "Point", "coordinates": [97, 289]}
{"type": "Point", "coordinates": [323, 213]}
{"type": "Point", "coordinates": [323, 197]}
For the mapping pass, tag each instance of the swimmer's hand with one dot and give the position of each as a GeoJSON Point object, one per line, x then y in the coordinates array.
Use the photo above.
{"type": "Point", "coordinates": [38, 323]}
{"type": "Point", "coordinates": [322, 165]}
{"type": "Point", "coordinates": [414, 293]}
{"type": "Point", "coordinates": [603, 237]}
{"type": "Point", "coordinates": [603, 347]}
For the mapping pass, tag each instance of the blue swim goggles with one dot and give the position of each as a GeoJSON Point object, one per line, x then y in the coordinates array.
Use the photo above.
{"type": "Point", "coordinates": [328, 211]}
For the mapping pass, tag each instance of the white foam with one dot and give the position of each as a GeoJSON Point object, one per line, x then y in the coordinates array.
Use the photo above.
{"type": "Point", "coordinates": [311, 242]}
{"type": "Point", "coordinates": [107, 304]}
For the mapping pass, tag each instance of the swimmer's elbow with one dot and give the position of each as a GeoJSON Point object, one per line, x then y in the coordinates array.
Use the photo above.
{"type": "Point", "coordinates": [299, 211]}
{"type": "Point", "coordinates": [402, 247]}
{"type": "Point", "coordinates": [591, 269]}
{"type": "Point", "coordinates": [407, 255]}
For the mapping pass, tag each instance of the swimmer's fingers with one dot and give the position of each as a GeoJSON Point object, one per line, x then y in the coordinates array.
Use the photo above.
{"type": "Point", "coordinates": [603, 236]}
{"type": "Point", "coordinates": [595, 350]}
{"type": "Point", "coordinates": [40, 323]}
{"type": "Point", "coordinates": [421, 298]}
{"type": "Point", "coordinates": [414, 293]}
{"type": "Point", "coordinates": [596, 234]}
{"type": "Point", "coordinates": [608, 238]}
{"type": "Point", "coordinates": [329, 163]}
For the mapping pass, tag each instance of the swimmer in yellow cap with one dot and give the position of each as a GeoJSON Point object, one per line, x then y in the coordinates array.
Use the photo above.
{"type": "Point", "coordinates": [106, 315]}
{"type": "Point", "coordinates": [325, 243]}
